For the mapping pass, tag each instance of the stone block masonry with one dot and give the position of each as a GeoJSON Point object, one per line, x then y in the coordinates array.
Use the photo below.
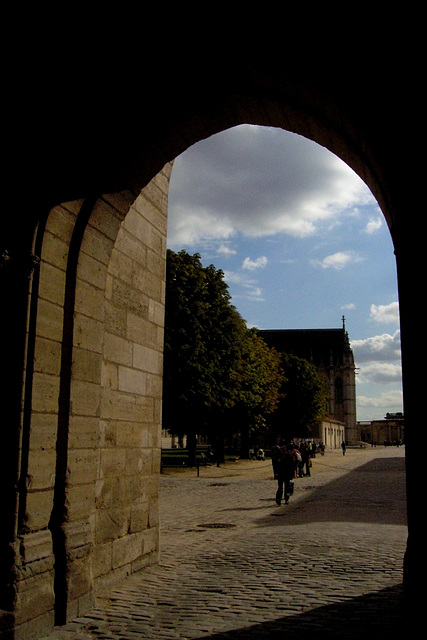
{"type": "Point", "coordinates": [89, 485]}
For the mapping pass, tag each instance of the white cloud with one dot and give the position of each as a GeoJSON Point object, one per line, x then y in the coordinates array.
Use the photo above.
{"type": "Point", "coordinates": [385, 314]}
{"type": "Point", "coordinates": [378, 361]}
{"type": "Point", "coordinates": [379, 402]}
{"type": "Point", "coordinates": [373, 225]}
{"type": "Point", "coordinates": [254, 293]}
{"type": "Point", "coordinates": [226, 251]}
{"type": "Point", "coordinates": [189, 227]}
{"type": "Point", "coordinates": [387, 401]}
{"type": "Point", "coordinates": [258, 181]}
{"type": "Point", "coordinates": [246, 287]}
{"type": "Point", "coordinates": [259, 263]}
{"type": "Point", "coordinates": [382, 348]}
{"type": "Point", "coordinates": [380, 373]}
{"type": "Point", "coordinates": [338, 260]}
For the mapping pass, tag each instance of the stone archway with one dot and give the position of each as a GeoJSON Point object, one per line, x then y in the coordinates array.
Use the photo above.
{"type": "Point", "coordinates": [307, 106]}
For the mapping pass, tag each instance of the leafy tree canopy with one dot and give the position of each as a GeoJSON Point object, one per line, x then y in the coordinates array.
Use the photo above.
{"type": "Point", "coordinates": [201, 333]}
{"type": "Point", "coordinates": [213, 363]}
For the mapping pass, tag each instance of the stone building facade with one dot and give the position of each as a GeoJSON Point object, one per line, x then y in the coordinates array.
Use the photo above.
{"type": "Point", "coordinates": [330, 352]}
{"type": "Point", "coordinates": [331, 432]}
{"type": "Point", "coordinates": [390, 430]}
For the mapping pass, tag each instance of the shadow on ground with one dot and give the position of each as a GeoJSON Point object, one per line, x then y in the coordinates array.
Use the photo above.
{"type": "Point", "coordinates": [373, 493]}
{"type": "Point", "coordinates": [375, 615]}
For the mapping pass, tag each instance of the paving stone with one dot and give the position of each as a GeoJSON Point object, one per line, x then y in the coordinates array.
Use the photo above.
{"type": "Point", "coordinates": [309, 562]}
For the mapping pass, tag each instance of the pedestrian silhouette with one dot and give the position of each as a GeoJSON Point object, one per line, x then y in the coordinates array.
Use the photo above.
{"type": "Point", "coordinates": [285, 469]}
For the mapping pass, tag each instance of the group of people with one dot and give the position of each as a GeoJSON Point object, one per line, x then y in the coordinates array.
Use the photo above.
{"type": "Point", "coordinates": [256, 453]}
{"type": "Point", "coordinates": [289, 462]}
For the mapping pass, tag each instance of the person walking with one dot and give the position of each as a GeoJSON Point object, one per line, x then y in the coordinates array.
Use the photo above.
{"type": "Point", "coordinates": [343, 447]}
{"type": "Point", "coordinates": [306, 460]}
{"type": "Point", "coordinates": [275, 455]}
{"type": "Point", "coordinates": [285, 475]}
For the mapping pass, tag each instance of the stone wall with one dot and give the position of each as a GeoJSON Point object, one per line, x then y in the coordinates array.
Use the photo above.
{"type": "Point", "coordinates": [332, 433]}
{"type": "Point", "coordinates": [91, 444]}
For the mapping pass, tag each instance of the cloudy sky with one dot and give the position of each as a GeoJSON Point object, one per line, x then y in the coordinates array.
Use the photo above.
{"type": "Point", "coordinates": [301, 241]}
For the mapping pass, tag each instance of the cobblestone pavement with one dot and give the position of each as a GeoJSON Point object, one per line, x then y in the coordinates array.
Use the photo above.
{"type": "Point", "coordinates": [235, 565]}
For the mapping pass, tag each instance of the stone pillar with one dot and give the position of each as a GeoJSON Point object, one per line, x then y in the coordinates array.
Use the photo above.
{"type": "Point", "coordinates": [88, 505]}
{"type": "Point", "coordinates": [410, 263]}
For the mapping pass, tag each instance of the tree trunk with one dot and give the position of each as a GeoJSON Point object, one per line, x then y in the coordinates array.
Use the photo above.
{"type": "Point", "coordinates": [244, 442]}
{"type": "Point", "coordinates": [219, 453]}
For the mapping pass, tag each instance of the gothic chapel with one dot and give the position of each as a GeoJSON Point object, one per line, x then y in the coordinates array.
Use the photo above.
{"type": "Point", "coordinates": [330, 352]}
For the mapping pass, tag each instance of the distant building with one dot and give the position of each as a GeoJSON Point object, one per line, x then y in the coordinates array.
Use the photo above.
{"type": "Point", "coordinates": [390, 431]}
{"type": "Point", "coordinates": [170, 440]}
{"type": "Point", "coordinates": [330, 352]}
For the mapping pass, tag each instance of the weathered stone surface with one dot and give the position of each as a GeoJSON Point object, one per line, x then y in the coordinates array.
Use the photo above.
{"type": "Point", "coordinates": [35, 595]}
{"type": "Point", "coordinates": [127, 549]}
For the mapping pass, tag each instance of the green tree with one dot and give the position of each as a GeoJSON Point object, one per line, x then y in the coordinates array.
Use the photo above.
{"type": "Point", "coordinates": [219, 376]}
{"type": "Point", "coordinates": [305, 398]}
{"type": "Point", "coordinates": [259, 376]}
{"type": "Point", "coordinates": [201, 341]}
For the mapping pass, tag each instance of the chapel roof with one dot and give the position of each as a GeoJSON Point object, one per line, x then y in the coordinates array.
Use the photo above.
{"type": "Point", "coordinates": [322, 347]}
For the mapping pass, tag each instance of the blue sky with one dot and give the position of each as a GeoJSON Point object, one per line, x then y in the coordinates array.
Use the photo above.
{"type": "Point", "coordinates": [301, 241]}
